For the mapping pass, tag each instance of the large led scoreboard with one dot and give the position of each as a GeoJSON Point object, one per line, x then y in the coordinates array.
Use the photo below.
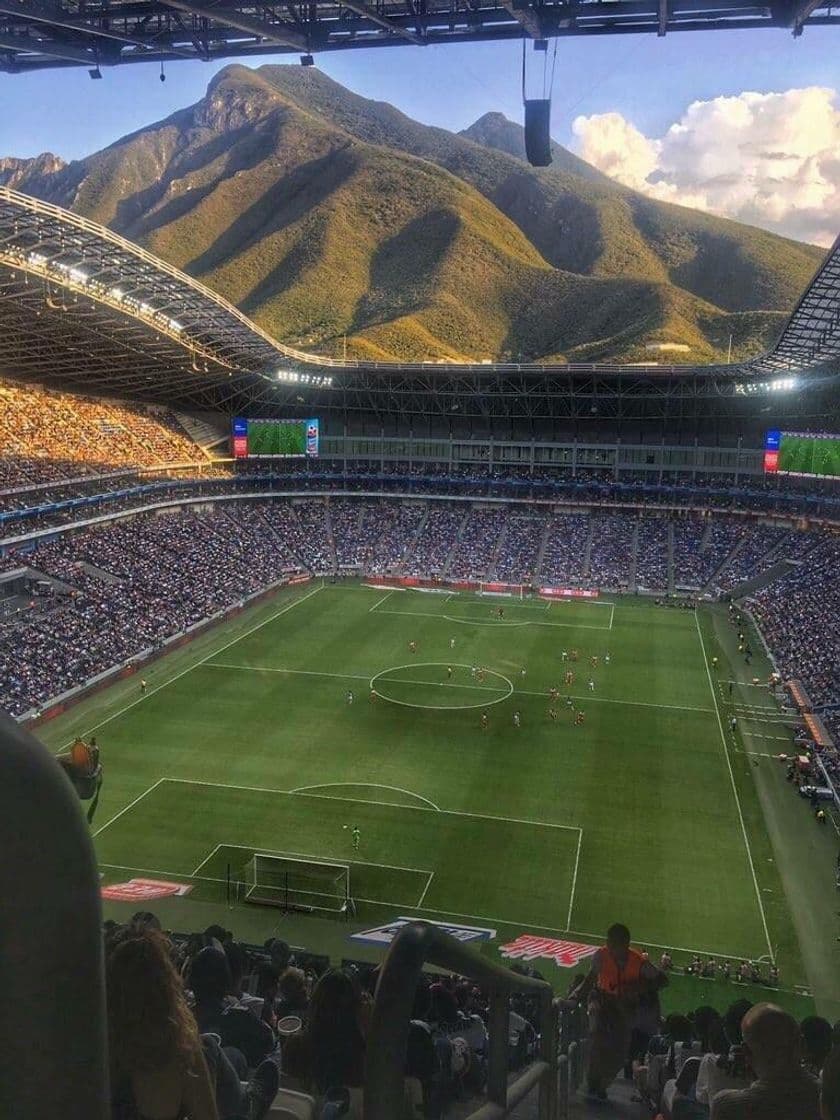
{"type": "Point", "coordinates": [806, 454]}
{"type": "Point", "coordinates": [275, 439]}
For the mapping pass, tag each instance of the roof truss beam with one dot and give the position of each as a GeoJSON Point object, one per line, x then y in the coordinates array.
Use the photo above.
{"type": "Point", "coordinates": [37, 11]}
{"type": "Point", "coordinates": [27, 44]}
{"type": "Point", "coordinates": [527, 15]}
{"type": "Point", "coordinates": [232, 17]}
{"type": "Point", "coordinates": [369, 12]}
{"type": "Point", "coordinates": [801, 11]}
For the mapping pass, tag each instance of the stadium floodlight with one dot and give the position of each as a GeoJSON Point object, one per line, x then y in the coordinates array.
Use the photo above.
{"type": "Point", "coordinates": [777, 385]}
{"type": "Point", "coordinates": [292, 377]}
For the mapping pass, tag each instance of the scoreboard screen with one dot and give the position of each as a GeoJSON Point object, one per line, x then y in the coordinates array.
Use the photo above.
{"type": "Point", "coordinates": [808, 454]}
{"type": "Point", "coordinates": [275, 439]}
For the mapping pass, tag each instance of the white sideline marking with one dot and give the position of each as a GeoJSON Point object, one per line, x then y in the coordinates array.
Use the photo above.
{"type": "Point", "coordinates": [130, 805]}
{"type": "Point", "coordinates": [371, 785]}
{"type": "Point", "coordinates": [574, 881]}
{"type": "Point", "coordinates": [425, 890]}
{"type": "Point", "coordinates": [195, 665]}
{"type": "Point", "coordinates": [734, 789]}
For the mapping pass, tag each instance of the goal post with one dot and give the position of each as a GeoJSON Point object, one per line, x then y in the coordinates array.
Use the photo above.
{"type": "Point", "coordinates": [294, 883]}
{"type": "Point", "coordinates": [504, 590]}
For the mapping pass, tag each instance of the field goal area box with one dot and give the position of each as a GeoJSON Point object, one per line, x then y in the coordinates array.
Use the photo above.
{"type": "Point", "coordinates": [293, 883]}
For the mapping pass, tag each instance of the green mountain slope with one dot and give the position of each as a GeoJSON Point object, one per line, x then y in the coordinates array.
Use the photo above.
{"type": "Point", "coordinates": [325, 215]}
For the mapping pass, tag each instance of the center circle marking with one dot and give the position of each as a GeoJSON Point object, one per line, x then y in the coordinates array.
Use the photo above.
{"type": "Point", "coordinates": [508, 685]}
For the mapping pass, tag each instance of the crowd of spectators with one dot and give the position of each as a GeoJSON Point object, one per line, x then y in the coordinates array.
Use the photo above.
{"type": "Point", "coordinates": [652, 554]}
{"type": "Point", "coordinates": [390, 528]}
{"type": "Point", "coordinates": [123, 586]}
{"type": "Point", "coordinates": [47, 435]}
{"type": "Point", "coordinates": [798, 616]}
{"type": "Point", "coordinates": [754, 1062]}
{"type": "Point", "coordinates": [759, 547]}
{"type": "Point", "coordinates": [564, 554]}
{"type": "Point", "coordinates": [206, 1026]}
{"type": "Point", "coordinates": [435, 540]}
{"type": "Point", "coordinates": [519, 554]}
{"type": "Point", "coordinates": [476, 546]}
{"type": "Point", "coordinates": [611, 551]}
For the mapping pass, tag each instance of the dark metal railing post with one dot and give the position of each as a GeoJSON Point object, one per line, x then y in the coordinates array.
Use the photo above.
{"type": "Point", "coordinates": [563, 1088]}
{"type": "Point", "coordinates": [497, 1066]}
{"type": "Point", "coordinates": [548, 1054]}
{"type": "Point", "coordinates": [420, 943]}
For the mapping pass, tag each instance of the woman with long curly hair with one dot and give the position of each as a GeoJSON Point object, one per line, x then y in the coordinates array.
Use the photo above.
{"type": "Point", "coordinates": [158, 1071]}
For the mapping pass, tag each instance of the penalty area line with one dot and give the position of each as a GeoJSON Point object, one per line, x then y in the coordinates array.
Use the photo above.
{"type": "Point", "coordinates": [367, 801]}
{"type": "Point", "coordinates": [130, 805]}
{"type": "Point", "coordinates": [425, 890]}
{"type": "Point", "coordinates": [574, 880]}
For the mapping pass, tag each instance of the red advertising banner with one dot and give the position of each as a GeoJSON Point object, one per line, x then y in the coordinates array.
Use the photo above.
{"type": "Point", "coordinates": [529, 947]}
{"type": "Point", "coordinates": [144, 890]}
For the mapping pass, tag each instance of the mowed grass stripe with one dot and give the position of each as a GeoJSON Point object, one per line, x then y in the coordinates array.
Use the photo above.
{"type": "Point", "coordinates": [643, 777]}
{"type": "Point", "coordinates": [529, 878]}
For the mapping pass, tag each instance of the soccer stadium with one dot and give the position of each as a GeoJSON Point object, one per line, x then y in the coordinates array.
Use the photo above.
{"type": "Point", "coordinates": [390, 731]}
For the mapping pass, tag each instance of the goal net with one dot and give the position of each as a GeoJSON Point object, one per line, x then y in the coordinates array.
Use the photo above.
{"type": "Point", "coordinates": [297, 884]}
{"type": "Point", "coordinates": [504, 590]}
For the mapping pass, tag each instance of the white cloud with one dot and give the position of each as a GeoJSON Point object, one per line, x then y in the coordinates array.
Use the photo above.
{"type": "Point", "coordinates": [770, 159]}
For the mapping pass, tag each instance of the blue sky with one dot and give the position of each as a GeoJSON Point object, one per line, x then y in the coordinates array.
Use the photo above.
{"type": "Point", "coordinates": [649, 81]}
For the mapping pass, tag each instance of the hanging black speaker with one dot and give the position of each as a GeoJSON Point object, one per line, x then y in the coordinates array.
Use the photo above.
{"type": "Point", "coordinates": [537, 136]}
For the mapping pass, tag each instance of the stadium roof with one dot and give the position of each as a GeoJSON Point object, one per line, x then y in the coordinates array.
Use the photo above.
{"type": "Point", "coordinates": [82, 306]}
{"type": "Point", "coordinates": [35, 34]}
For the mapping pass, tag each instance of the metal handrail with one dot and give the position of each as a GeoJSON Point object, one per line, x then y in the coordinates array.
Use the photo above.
{"type": "Point", "coordinates": [420, 944]}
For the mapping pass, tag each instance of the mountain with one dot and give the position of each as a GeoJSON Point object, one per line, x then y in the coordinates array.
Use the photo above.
{"type": "Point", "coordinates": [494, 130]}
{"type": "Point", "coordinates": [30, 174]}
{"type": "Point", "coordinates": [323, 214]}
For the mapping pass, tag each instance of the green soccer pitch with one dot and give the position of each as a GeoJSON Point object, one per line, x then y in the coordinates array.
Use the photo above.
{"type": "Point", "coordinates": [646, 813]}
